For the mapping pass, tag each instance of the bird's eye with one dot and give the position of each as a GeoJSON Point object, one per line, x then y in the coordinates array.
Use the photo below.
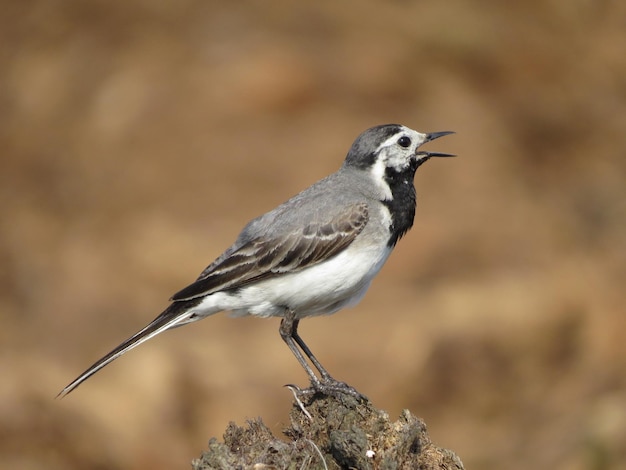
{"type": "Point", "coordinates": [404, 141]}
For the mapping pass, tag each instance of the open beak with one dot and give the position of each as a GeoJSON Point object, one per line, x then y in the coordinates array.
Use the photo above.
{"type": "Point", "coordinates": [433, 136]}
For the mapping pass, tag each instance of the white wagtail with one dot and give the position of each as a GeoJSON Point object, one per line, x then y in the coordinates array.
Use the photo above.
{"type": "Point", "coordinates": [312, 255]}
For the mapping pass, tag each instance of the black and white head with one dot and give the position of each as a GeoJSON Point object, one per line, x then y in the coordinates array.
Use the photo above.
{"type": "Point", "coordinates": [391, 149]}
{"type": "Point", "coordinates": [391, 154]}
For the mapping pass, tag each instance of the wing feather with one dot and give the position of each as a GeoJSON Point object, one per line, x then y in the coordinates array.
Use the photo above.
{"type": "Point", "coordinates": [266, 257]}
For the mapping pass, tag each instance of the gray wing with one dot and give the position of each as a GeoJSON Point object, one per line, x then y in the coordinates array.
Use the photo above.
{"type": "Point", "coordinates": [265, 257]}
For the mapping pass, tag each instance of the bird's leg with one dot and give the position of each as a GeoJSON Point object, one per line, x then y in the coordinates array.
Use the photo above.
{"type": "Point", "coordinates": [287, 330]}
{"type": "Point", "coordinates": [323, 372]}
{"type": "Point", "coordinates": [327, 384]}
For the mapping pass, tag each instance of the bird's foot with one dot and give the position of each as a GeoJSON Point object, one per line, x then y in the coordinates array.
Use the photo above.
{"type": "Point", "coordinates": [329, 387]}
{"type": "Point", "coordinates": [336, 389]}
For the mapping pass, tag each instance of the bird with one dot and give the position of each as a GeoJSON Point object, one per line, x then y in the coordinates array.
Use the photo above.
{"type": "Point", "coordinates": [312, 255]}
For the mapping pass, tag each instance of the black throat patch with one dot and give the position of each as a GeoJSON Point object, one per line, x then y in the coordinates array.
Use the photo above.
{"type": "Point", "coordinates": [403, 200]}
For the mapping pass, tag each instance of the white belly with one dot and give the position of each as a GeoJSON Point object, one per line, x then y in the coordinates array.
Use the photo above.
{"type": "Point", "coordinates": [321, 289]}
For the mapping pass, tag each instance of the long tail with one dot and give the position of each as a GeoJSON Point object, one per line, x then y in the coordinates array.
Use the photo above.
{"type": "Point", "coordinates": [176, 314]}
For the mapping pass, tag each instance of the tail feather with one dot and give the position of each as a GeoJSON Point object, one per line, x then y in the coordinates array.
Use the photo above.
{"type": "Point", "coordinates": [176, 314]}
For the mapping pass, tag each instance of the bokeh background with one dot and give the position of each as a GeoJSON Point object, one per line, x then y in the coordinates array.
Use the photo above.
{"type": "Point", "coordinates": [136, 139]}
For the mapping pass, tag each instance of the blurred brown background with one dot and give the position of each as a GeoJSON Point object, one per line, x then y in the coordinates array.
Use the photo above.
{"type": "Point", "coordinates": [138, 137]}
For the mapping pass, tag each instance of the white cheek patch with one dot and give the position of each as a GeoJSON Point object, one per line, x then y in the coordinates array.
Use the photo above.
{"type": "Point", "coordinates": [398, 158]}
{"type": "Point", "coordinates": [392, 155]}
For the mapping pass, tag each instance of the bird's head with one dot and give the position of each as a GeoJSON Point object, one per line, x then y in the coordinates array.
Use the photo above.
{"type": "Point", "coordinates": [392, 146]}
{"type": "Point", "coordinates": [391, 152]}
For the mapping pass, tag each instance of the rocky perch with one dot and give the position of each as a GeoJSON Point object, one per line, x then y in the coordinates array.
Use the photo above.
{"type": "Point", "coordinates": [330, 433]}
